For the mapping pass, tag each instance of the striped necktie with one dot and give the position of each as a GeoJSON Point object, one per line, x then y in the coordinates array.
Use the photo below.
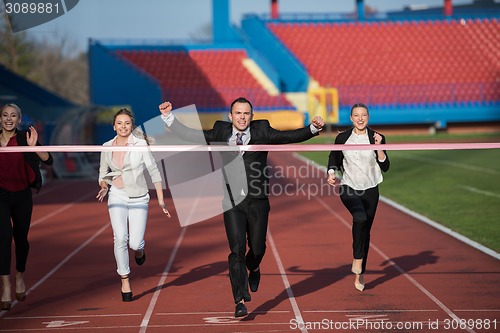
{"type": "Point", "coordinates": [239, 140]}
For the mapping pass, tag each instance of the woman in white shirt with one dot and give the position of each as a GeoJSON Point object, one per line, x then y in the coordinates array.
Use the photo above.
{"type": "Point", "coordinates": [122, 174]}
{"type": "Point", "coordinates": [361, 172]}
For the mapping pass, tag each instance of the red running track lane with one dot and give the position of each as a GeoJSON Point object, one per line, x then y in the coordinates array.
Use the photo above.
{"type": "Point", "coordinates": [417, 276]}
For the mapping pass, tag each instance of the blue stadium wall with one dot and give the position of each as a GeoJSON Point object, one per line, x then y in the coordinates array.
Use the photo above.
{"type": "Point", "coordinates": [115, 82]}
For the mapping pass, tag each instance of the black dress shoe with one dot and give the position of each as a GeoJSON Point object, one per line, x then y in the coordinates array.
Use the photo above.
{"type": "Point", "coordinates": [241, 310]}
{"type": "Point", "coordinates": [254, 279]}
{"type": "Point", "coordinates": [141, 260]}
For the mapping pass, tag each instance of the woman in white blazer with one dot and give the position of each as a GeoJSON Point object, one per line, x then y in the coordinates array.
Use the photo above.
{"type": "Point", "coordinates": [121, 173]}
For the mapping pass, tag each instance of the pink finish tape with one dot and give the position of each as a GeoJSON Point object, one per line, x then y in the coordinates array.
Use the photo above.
{"type": "Point", "coordinates": [287, 147]}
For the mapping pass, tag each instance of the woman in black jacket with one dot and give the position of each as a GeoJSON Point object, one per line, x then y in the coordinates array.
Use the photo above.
{"type": "Point", "coordinates": [19, 172]}
{"type": "Point", "coordinates": [361, 172]}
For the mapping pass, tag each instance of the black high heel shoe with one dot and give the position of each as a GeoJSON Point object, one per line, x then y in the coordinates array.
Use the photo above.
{"type": "Point", "coordinates": [5, 305]}
{"type": "Point", "coordinates": [126, 297]}
{"type": "Point", "coordinates": [20, 296]}
{"type": "Point", "coordinates": [142, 259]}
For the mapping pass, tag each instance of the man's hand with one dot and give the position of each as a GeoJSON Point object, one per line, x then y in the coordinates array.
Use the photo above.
{"type": "Point", "coordinates": [165, 108]}
{"type": "Point", "coordinates": [318, 122]}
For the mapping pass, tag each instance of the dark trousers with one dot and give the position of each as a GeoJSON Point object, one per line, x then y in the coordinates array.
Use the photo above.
{"type": "Point", "coordinates": [248, 220]}
{"type": "Point", "coordinates": [15, 219]}
{"type": "Point", "coordinates": [362, 205]}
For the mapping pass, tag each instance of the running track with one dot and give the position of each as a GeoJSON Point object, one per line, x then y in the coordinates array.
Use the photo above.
{"type": "Point", "coordinates": [417, 276]}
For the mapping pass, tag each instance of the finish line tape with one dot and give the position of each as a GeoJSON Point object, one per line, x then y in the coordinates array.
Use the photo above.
{"type": "Point", "coordinates": [284, 147]}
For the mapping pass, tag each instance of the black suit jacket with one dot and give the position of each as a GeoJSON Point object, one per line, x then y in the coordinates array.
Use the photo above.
{"type": "Point", "coordinates": [255, 171]}
{"type": "Point", "coordinates": [336, 158]}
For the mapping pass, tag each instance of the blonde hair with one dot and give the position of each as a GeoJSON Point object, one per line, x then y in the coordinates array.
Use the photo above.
{"type": "Point", "coordinates": [136, 131]}
{"type": "Point", "coordinates": [15, 107]}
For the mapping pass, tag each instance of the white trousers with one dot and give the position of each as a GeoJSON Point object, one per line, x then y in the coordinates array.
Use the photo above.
{"type": "Point", "coordinates": [128, 219]}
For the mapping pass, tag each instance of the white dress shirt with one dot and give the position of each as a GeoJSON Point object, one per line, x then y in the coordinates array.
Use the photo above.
{"type": "Point", "coordinates": [361, 170]}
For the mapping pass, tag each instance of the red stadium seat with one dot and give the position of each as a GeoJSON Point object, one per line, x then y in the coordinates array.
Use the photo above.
{"type": "Point", "coordinates": [424, 53]}
{"type": "Point", "coordinates": [208, 78]}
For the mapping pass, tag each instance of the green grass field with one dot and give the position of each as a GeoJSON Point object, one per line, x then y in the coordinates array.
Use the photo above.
{"type": "Point", "coordinates": [457, 188]}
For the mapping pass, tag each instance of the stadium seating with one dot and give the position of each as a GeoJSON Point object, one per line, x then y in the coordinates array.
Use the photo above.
{"type": "Point", "coordinates": [400, 62]}
{"type": "Point", "coordinates": [211, 78]}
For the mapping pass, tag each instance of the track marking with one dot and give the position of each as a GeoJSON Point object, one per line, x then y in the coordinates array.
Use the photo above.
{"type": "Point", "coordinates": [240, 323]}
{"type": "Point", "coordinates": [58, 266]}
{"type": "Point", "coordinates": [288, 288]}
{"type": "Point", "coordinates": [161, 282]}
{"type": "Point", "coordinates": [214, 313]}
{"type": "Point", "coordinates": [478, 191]}
{"type": "Point", "coordinates": [417, 216]}
{"type": "Point", "coordinates": [73, 316]}
{"type": "Point", "coordinates": [56, 187]}
{"type": "Point", "coordinates": [478, 310]}
{"type": "Point", "coordinates": [441, 227]}
{"type": "Point", "coordinates": [60, 210]}
{"type": "Point", "coordinates": [450, 163]}
{"type": "Point", "coordinates": [398, 268]}
{"type": "Point", "coordinates": [62, 323]}
{"type": "Point", "coordinates": [369, 311]}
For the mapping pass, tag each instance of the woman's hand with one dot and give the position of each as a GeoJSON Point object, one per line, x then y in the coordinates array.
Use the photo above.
{"type": "Point", "coordinates": [378, 138]}
{"type": "Point", "coordinates": [32, 136]}
{"type": "Point", "coordinates": [331, 178]}
{"type": "Point", "coordinates": [164, 207]}
{"type": "Point", "coordinates": [102, 193]}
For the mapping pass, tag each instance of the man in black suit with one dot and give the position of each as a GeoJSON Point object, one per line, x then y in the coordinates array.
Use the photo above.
{"type": "Point", "coordinates": [246, 206]}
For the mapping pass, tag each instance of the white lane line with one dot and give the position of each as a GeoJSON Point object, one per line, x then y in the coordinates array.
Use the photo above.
{"type": "Point", "coordinates": [418, 216]}
{"type": "Point", "coordinates": [288, 288]}
{"type": "Point", "coordinates": [441, 227]}
{"type": "Point", "coordinates": [156, 295]}
{"type": "Point", "coordinates": [450, 163]}
{"type": "Point", "coordinates": [479, 191]}
{"type": "Point", "coordinates": [60, 210]}
{"type": "Point", "coordinates": [61, 263]}
{"type": "Point", "coordinates": [214, 313]}
{"type": "Point", "coordinates": [75, 316]}
{"type": "Point", "coordinates": [370, 311]}
{"type": "Point", "coordinates": [47, 189]}
{"type": "Point", "coordinates": [398, 268]}
{"type": "Point", "coordinates": [477, 310]}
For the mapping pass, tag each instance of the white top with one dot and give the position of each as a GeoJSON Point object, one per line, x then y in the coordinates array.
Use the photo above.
{"type": "Point", "coordinates": [135, 163]}
{"type": "Point", "coordinates": [361, 170]}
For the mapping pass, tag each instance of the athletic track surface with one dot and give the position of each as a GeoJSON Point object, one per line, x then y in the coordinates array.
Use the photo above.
{"type": "Point", "coordinates": [419, 279]}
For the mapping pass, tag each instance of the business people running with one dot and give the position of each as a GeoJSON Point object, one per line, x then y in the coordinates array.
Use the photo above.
{"type": "Point", "coordinates": [121, 174]}
{"type": "Point", "coordinates": [361, 173]}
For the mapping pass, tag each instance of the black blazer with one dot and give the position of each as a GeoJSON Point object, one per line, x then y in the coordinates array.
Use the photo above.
{"type": "Point", "coordinates": [261, 132]}
{"type": "Point", "coordinates": [33, 160]}
{"type": "Point", "coordinates": [336, 158]}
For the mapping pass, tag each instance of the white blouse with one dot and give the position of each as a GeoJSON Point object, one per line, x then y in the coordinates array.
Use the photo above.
{"type": "Point", "coordinates": [361, 170]}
